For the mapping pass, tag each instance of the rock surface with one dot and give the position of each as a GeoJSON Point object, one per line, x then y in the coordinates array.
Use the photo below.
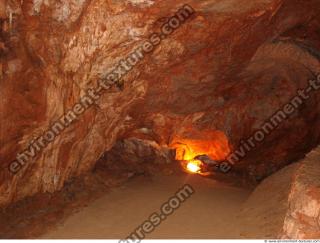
{"type": "Point", "coordinates": [227, 69]}
{"type": "Point", "coordinates": [303, 217]}
{"type": "Point", "coordinates": [285, 205]}
{"type": "Point", "coordinates": [263, 214]}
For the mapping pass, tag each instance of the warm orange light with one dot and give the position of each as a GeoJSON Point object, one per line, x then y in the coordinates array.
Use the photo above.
{"type": "Point", "coordinates": [213, 144]}
{"type": "Point", "coordinates": [193, 166]}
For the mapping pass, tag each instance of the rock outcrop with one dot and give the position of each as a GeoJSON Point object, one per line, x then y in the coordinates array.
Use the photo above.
{"type": "Point", "coordinates": [262, 215]}
{"type": "Point", "coordinates": [285, 205]}
{"type": "Point", "coordinates": [226, 70]}
{"type": "Point", "coordinates": [302, 220]}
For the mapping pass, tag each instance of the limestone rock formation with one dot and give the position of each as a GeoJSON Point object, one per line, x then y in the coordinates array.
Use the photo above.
{"type": "Point", "coordinates": [285, 205]}
{"type": "Point", "coordinates": [226, 70]}
{"type": "Point", "coordinates": [302, 220]}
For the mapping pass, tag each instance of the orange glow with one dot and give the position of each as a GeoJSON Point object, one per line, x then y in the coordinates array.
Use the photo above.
{"type": "Point", "coordinates": [193, 166]}
{"type": "Point", "coordinates": [214, 144]}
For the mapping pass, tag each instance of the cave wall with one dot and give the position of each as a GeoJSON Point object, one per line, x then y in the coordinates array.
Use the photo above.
{"type": "Point", "coordinates": [302, 219]}
{"type": "Point", "coordinates": [286, 205]}
{"type": "Point", "coordinates": [227, 69]}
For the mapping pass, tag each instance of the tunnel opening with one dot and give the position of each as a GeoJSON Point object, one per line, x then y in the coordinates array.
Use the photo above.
{"type": "Point", "coordinates": [204, 153]}
{"type": "Point", "coordinates": [197, 152]}
{"type": "Point", "coordinates": [159, 119]}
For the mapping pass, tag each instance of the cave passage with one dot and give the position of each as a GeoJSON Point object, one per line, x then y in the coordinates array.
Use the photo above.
{"type": "Point", "coordinates": [147, 119]}
{"type": "Point", "coordinates": [211, 212]}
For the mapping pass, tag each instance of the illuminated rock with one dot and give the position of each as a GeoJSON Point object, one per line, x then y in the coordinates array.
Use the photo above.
{"type": "Point", "coordinates": [224, 71]}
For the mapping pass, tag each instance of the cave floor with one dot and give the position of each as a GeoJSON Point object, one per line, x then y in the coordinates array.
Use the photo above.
{"type": "Point", "coordinates": [209, 213]}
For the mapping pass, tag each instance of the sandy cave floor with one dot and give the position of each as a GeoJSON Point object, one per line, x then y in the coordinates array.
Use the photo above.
{"type": "Point", "coordinates": [111, 203]}
{"type": "Point", "coordinates": [209, 213]}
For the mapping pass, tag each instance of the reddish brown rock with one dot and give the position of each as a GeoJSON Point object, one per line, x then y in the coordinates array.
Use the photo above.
{"type": "Point", "coordinates": [303, 217]}
{"type": "Point", "coordinates": [285, 205]}
{"type": "Point", "coordinates": [262, 215]}
{"type": "Point", "coordinates": [226, 70]}
{"type": "Point", "coordinates": [3, 12]}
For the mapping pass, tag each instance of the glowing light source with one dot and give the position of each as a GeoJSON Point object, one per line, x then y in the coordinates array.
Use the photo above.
{"type": "Point", "coordinates": [194, 166]}
{"type": "Point", "coordinates": [215, 144]}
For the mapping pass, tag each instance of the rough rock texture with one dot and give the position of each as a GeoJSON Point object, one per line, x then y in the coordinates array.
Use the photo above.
{"type": "Point", "coordinates": [227, 69]}
{"type": "Point", "coordinates": [303, 217]}
{"type": "Point", "coordinates": [285, 205]}
{"type": "Point", "coordinates": [262, 215]}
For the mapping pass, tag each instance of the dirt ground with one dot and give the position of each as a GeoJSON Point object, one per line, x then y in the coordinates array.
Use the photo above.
{"type": "Point", "coordinates": [112, 204]}
{"type": "Point", "coordinates": [209, 213]}
{"type": "Point", "coordinates": [102, 205]}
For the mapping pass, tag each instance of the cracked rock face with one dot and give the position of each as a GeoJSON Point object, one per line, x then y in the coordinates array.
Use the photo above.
{"type": "Point", "coordinates": [224, 71]}
{"type": "Point", "coordinates": [302, 220]}
{"type": "Point", "coordinates": [286, 205]}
